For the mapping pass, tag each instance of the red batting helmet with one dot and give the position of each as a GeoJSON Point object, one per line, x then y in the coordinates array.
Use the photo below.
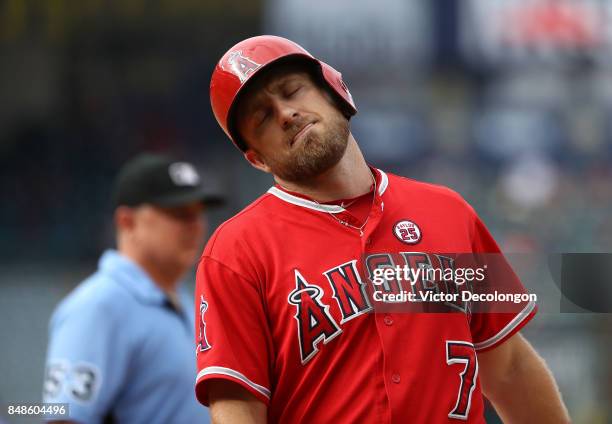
{"type": "Point", "coordinates": [246, 59]}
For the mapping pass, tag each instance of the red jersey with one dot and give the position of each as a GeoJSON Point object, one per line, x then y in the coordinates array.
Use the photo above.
{"type": "Point", "coordinates": [283, 309]}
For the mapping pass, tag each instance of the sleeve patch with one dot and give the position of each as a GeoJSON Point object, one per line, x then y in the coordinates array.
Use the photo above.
{"type": "Point", "coordinates": [79, 382]}
{"type": "Point", "coordinates": [203, 343]}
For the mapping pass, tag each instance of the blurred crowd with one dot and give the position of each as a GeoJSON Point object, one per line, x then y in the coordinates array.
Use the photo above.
{"type": "Point", "coordinates": [530, 146]}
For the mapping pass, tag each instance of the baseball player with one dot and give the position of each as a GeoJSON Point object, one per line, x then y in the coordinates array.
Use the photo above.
{"type": "Point", "coordinates": [287, 330]}
{"type": "Point", "coordinates": [121, 344]}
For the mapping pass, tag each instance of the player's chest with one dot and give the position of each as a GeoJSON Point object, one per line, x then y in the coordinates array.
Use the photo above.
{"type": "Point", "coordinates": [328, 255]}
{"type": "Point", "coordinates": [323, 284]}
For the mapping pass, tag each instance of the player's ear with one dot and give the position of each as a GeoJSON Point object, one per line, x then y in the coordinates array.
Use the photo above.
{"type": "Point", "coordinates": [124, 218]}
{"type": "Point", "coordinates": [256, 160]}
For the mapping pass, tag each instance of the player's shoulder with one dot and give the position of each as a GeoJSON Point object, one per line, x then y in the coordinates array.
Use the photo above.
{"type": "Point", "coordinates": [245, 224]}
{"type": "Point", "coordinates": [422, 191]}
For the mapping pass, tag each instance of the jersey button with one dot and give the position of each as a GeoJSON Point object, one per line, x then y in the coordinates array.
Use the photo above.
{"type": "Point", "coordinates": [369, 241]}
{"type": "Point", "coordinates": [396, 378]}
{"type": "Point", "coordinates": [388, 320]}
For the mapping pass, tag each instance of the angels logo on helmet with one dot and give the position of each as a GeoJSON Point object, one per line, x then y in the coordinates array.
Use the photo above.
{"type": "Point", "coordinates": [240, 65]}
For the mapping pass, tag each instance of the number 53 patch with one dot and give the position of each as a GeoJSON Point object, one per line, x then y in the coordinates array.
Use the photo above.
{"type": "Point", "coordinates": [79, 381]}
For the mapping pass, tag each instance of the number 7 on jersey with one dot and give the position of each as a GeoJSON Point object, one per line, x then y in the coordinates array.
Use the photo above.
{"type": "Point", "coordinates": [460, 352]}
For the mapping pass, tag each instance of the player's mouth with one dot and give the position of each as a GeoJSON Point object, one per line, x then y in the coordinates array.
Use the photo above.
{"type": "Point", "coordinates": [301, 133]}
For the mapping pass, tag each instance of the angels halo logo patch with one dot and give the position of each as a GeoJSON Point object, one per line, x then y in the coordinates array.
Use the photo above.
{"type": "Point", "coordinates": [407, 232]}
{"type": "Point", "coordinates": [240, 65]}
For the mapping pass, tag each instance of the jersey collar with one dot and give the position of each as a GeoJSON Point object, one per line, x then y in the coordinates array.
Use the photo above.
{"type": "Point", "coordinates": [131, 276]}
{"type": "Point", "coordinates": [382, 181]}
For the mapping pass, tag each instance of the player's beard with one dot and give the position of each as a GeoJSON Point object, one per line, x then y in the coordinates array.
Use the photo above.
{"type": "Point", "coordinates": [317, 152]}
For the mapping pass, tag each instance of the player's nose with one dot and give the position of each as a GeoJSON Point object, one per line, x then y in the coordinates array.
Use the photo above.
{"type": "Point", "coordinates": [286, 113]}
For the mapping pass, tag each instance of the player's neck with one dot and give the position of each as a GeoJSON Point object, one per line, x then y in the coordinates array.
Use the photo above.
{"type": "Point", "coordinates": [166, 278]}
{"type": "Point", "coordinates": [350, 177]}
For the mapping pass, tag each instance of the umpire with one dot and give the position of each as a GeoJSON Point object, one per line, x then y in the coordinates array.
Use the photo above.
{"type": "Point", "coordinates": [121, 344]}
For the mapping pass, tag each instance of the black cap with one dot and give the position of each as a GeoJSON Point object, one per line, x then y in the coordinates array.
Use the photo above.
{"type": "Point", "coordinates": [161, 181]}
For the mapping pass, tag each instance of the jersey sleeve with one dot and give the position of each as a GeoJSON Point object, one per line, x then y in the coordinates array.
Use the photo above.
{"type": "Point", "coordinates": [83, 364]}
{"type": "Point", "coordinates": [233, 339]}
{"type": "Point", "coordinates": [496, 321]}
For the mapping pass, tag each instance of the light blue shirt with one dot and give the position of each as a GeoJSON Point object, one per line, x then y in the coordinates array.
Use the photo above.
{"type": "Point", "coordinates": [117, 347]}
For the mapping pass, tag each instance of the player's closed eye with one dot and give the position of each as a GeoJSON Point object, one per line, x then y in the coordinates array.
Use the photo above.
{"type": "Point", "coordinates": [261, 116]}
{"type": "Point", "coordinates": [293, 91]}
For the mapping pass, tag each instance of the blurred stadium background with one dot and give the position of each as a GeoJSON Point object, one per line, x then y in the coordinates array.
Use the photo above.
{"type": "Point", "coordinates": [508, 102]}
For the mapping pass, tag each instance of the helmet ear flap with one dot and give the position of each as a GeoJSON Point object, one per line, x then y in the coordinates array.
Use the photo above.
{"type": "Point", "coordinates": [334, 80]}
